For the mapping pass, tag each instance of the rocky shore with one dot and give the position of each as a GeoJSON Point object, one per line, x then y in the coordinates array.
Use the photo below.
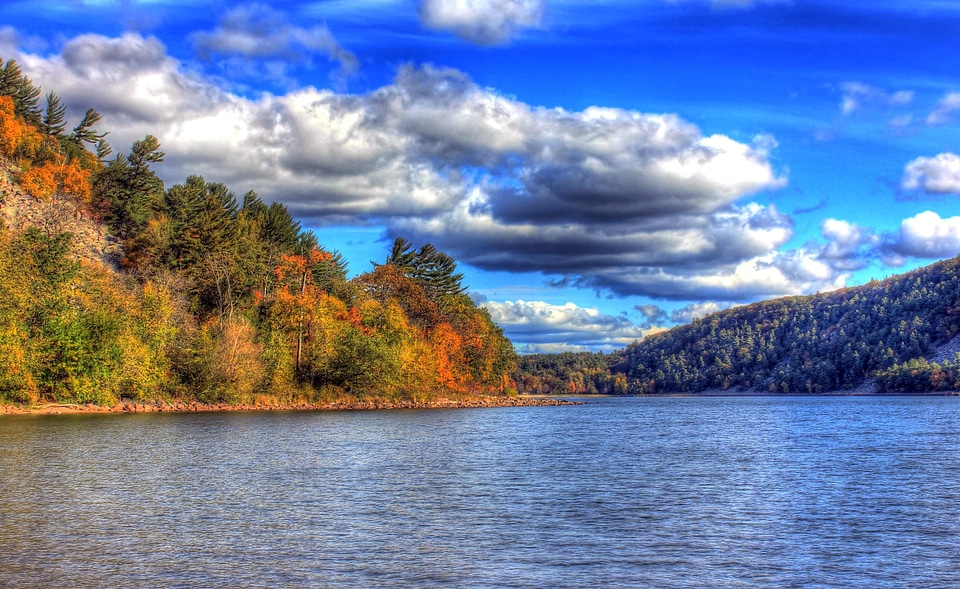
{"type": "Point", "coordinates": [193, 407]}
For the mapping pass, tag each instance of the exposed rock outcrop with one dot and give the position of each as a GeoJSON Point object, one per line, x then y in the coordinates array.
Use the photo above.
{"type": "Point", "coordinates": [18, 211]}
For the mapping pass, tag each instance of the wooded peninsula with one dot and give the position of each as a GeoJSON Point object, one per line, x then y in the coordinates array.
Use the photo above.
{"type": "Point", "coordinates": [117, 289]}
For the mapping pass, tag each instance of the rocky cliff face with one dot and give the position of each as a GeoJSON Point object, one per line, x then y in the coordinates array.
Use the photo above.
{"type": "Point", "coordinates": [91, 241]}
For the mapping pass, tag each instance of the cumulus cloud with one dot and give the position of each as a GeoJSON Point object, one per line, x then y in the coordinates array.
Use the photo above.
{"type": "Point", "coordinates": [533, 324]}
{"type": "Point", "coordinates": [848, 247]}
{"type": "Point", "coordinates": [857, 95]}
{"type": "Point", "coordinates": [927, 235]}
{"type": "Point", "coordinates": [484, 22]}
{"type": "Point", "coordinates": [258, 32]}
{"type": "Point", "coordinates": [617, 200]}
{"type": "Point", "coordinates": [943, 111]}
{"type": "Point", "coordinates": [933, 175]}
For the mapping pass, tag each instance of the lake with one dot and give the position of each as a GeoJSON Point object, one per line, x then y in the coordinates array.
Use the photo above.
{"type": "Point", "coordinates": [803, 492]}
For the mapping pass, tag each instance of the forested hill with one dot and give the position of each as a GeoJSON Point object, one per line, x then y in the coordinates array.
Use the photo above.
{"type": "Point", "coordinates": [114, 286]}
{"type": "Point", "coordinates": [889, 334]}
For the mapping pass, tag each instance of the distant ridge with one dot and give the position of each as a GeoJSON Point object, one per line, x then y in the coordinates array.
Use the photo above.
{"type": "Point", "coordinates": [897, 335]}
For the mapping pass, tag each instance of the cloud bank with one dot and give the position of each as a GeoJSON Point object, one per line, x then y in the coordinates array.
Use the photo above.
{"type": "Point", "coordinates": [614, 200]}
{"type": "Point", "coordinates": [534, 326]}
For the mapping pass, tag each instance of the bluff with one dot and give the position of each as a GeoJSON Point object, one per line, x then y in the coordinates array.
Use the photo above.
{"type": "Point", "coordinates": [90, 240]}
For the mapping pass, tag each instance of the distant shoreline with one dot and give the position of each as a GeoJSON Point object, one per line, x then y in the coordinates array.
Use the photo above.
{"type": "Point", "coordinates": [195, 407]}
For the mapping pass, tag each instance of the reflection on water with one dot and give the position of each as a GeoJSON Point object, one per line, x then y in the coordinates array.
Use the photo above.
{"type": "Point", "coordinates": [665, 492]}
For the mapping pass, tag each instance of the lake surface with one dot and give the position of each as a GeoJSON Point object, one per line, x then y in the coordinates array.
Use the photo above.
{"type": "Point", "coordinates": [641, 492]}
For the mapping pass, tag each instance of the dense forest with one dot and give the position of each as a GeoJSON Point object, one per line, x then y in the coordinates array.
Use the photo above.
{"type": "Point", "coordinates": [215, 297]}
{"type": "Point", "coordinates": [891, 335]}
{"type": "Point", "coordinates": [884, 330]}
{"type": "Point", "coordinates": [572, 373]}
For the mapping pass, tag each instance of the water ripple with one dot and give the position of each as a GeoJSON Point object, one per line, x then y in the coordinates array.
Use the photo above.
{"type": "Point", "coordinates": [673, 493]}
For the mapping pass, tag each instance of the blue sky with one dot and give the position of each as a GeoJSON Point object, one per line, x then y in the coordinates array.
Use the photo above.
{"type": "Point", "coordinates": [600, 169]}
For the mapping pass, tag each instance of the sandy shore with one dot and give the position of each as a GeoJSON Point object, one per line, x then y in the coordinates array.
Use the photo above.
{"type": "Point", "coordinates": [191, 407]}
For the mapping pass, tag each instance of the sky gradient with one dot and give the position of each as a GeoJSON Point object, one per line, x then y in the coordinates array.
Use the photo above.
{"type": "Point", "coordinates": [599, 169]}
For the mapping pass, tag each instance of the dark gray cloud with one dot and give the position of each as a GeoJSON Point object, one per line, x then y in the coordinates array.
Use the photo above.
{"type": "Point", "coordinates": [653, 315]}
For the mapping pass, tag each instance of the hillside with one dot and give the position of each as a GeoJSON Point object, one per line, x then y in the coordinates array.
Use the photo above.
{"type": "Point", "coordinates": [91, 241]}
{"type": "Point", "coordinates": [575, 373]}
{"type": "Point", "coordinates": [895, 335]}
{"type": "Point", "coordinates": [115, 287]}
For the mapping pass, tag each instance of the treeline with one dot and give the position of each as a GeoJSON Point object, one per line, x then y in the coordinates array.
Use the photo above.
{"type": "Point", "coordinates": [917, 375]}
{"type": "Point", "coordinates": [220, 298]}
{"type": "Point", "coordinates": [812, 344]}
{"type": "Point", "coordinates": [572, 373]}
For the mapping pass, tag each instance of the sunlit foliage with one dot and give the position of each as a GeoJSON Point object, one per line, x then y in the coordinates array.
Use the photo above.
{"type": "Point", "coordinates": [219, 299]}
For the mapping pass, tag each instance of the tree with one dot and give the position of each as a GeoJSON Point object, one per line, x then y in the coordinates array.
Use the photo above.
{"type": "Point", "coordinates": [54, 117]}
{"type": "Point", "coordinates": [25, 95]}
{"type": "Point", "coordinates": [84, 131]}
{"type": "Point", "coordinates": [432, 269]}
{"type": "Point", "coordinates": [127, 192]}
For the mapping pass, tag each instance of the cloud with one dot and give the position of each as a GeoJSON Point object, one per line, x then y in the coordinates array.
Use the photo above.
{"type": "Point", "coordinates": [927, 235]}
{"type": "Point", "coordinates": [943, 111]}
{"type": "Point", "coordinates": [258, 32]}
{"type": "Point", "coordinates": [614, 200]}
{"type": "Point", "coordinates": [653, 314]}
{"type": "Point", "coordinates": [530, 324]}
{"type": "Point", "coordinates": [936, 175]}
{"type": "Point", "coordinates": [484, 22]}
{"type": "Point", "coordinates": [731, 4]}
{"type": "Point", "coordinates": [812, 209]}
{"type": "Point", "coordinates": [857, 95]}
{"type": "Point", "coordinates": [727, 255]}
{"type": "Point", "coordinates": [697, 311]}
{"type": "Point", "coordinates": [848, 247]}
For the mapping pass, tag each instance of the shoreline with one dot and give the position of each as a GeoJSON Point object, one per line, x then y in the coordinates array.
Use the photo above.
{"type": "Point", "coordinates": [197, 407]}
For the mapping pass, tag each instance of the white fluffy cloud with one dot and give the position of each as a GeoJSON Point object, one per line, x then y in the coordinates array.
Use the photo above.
{"type": "Point", "coordinates": [533, 324]}
{"type": "Point", "coordinates": [485, 22]}
{"type": "Point", "coordinates": [937, 175]}
{"type": "Point", "coordinates": [927, 235]}
{"type": "Point", "coordinates": [848, 246]}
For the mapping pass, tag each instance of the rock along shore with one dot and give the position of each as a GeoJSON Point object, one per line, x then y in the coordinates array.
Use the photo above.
{"type": "Point", "coordinates": [192, 406]}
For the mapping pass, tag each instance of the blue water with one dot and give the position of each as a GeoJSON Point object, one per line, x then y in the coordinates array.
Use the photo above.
{"type": "Point", "coordinates": [664, 492]}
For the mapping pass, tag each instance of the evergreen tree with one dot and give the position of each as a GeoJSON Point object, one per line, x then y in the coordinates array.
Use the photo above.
{"type": "Point", "coordinates": [54, 117]}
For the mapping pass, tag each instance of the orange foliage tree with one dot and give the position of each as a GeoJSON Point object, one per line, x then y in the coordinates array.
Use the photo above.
{"type": "Point", "coordinates": [11, 128]}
